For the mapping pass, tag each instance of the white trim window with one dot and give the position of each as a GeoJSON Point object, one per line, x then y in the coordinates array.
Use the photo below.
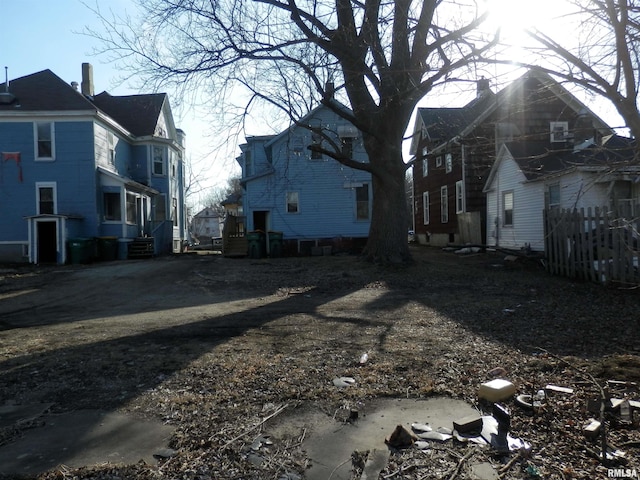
{"type": "Point", "coordinates": [553, 196]}
{"type": "Point", "coordinates": [158, 154]}
{"type": "Point", "coordinates": [44, 141]}
{"type": "Point", "coordinates": [425, 162]}
{"type": "Point", "coordinates": [425, 207]}
{"type": "Point", "coordinates": [132, 208]}
{"type": "Point", "coordinates": [111, 148]}
{"type": "Point", "coordinates": [507, 209]}
{"type": "Point", "coordinates": [559, 131]}
{"type": "Point", "coordinates": [46, 198]}
{"type": "Point", "coordinates": [293, 202]}
{"type": "Point", "coordinates": [459, 197]}
{"type": "Point", "coordinates": [444, 204]}
{"type": "Point", "coordinates": [448, 162]}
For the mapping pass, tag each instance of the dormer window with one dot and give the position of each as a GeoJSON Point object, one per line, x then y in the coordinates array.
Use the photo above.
{"type": "Point", "coordinates": [559, 131]}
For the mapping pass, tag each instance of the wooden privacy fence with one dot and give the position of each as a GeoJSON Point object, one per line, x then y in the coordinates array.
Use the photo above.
{"type": "Point", "coordinates": [600, 245]}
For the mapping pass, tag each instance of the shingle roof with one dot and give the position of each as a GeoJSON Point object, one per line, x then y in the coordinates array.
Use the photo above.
{"type": "Point", "coordinates": [536, 160]}
{"type": "Point", "coordinates": [45, 91]}
{"type": "Point", "coordinates": [137, 113]}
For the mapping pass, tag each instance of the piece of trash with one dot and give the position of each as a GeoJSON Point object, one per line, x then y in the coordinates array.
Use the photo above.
{"type": "Point", "coordinates": [445, 430]}
{"type": "Point", "coordinates": [592, 428]}
{"type": "Point", "coordinates": [420, 445]}
{"type": "Point", "coordinates": [556, 388]}
{"type": "Point", "coordinates": [508, 310]}
{"type": "Point", "coordinates": [421, 427]}
{"type": "Point", "coordinates": [472, 423]}
{"type": "Point", "coordinates": [625, 411]}
{"type": "Point", "coordinates": [401, 438]}
{"type": "Point", "coordinates": [363, 358]}
{"type": "Point", "coordinates": [496, 390]}
{"type": "Point", "coordinates": [497, 372]}
{"type": "Point", "coordinates": [441, 437]}
{"type": "Point", "coordinates": [533, 471]}
{"type": "Point", "coordinates": [343, 381]}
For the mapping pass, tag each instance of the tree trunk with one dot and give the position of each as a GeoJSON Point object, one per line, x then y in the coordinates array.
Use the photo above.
{"type": "Point", "coordinates": [388, 241]}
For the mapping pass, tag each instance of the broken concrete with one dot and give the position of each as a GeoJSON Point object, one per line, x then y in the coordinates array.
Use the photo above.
{"type": "Point", "coordinates": [76, 439]}
{"type": "Point", "coordinates": [329, 444]}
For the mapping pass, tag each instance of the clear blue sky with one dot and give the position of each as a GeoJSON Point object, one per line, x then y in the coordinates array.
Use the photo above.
{"type": "Point", "coordinates": [37, 35]}
{"type": "Point", "coordinates": [47, 34]}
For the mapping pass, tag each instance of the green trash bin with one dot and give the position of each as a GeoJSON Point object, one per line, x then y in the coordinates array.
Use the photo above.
{"type": "Point", "coordinates": [275, 244]}
{"type": "Point", "coordinates": [107, 248]}
{"type": "Point", "coordinates": [256, 243]}
{"type": "Point", "coordinates": [80, 250]}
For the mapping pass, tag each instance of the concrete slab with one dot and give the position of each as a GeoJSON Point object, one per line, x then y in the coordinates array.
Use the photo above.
{"type": "Point", "coordinates": [329, 444]}
{"type": "Point", "coordinates": [82, 438]}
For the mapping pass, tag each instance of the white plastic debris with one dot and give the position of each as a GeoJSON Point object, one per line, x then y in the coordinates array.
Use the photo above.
{"type": "Point", "coordinates": [344, 382]}
{"type": "Point", "coordinates": [421, 427]}
{"type": "Point", "coordinates": [496, 390]}
{"type": "Point", "coordinates": [364, 358]}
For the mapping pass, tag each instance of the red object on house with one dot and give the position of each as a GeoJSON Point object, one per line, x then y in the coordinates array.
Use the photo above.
{"type": "Point", "coordinates": [6, 156]}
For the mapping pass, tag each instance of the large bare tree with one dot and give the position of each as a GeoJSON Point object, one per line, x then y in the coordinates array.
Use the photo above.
{"type": "Point", "coordinates": [381, 56]}
{"type": "Point", "coordinates": [602, 53]}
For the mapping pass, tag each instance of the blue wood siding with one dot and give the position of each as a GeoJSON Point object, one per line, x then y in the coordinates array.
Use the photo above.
{"type": "Point", "coordinates": [326, 189]}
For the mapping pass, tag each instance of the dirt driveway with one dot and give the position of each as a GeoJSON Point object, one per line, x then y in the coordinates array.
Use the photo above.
{"type": "Point", "coordinates": [213, 345]}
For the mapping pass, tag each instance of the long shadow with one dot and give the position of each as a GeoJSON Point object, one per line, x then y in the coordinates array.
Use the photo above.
{"type": "Point", "coordinates": [111, 372]}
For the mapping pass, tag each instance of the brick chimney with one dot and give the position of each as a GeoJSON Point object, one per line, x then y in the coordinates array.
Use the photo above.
{"type": "Point", "coordinates": [87, 79]}
{"type": "Point", "coordinates": [482, 86]}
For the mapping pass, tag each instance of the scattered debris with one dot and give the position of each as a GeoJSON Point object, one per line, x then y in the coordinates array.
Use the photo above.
{"type": "Point", "coordinates": [496, 390]}
{"type": "Point", "coordinates": [342, 382]}
{"type": "Point", "coordinates": [401, 438]}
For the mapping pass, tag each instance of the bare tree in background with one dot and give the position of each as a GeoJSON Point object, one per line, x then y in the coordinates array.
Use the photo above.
{"type": "Point", "coordinates": [606, 56]}
{"type": "Point", "coordinates": [378, 57]}
{"type": "Point", "coordinates": [218, 195]}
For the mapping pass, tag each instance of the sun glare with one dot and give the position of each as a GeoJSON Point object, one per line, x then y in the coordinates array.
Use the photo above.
{"type": "Point", "coordinates": [514, 17]}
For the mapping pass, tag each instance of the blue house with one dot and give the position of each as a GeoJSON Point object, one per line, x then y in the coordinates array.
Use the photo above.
{"type": "Point", "coordinates": [74, 165]}
{"type": "Point", "coordinates": [312, 199]}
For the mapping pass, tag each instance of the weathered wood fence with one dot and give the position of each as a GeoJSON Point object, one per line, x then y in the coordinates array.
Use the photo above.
{"type": "Point", "coordinates": [599, 245]}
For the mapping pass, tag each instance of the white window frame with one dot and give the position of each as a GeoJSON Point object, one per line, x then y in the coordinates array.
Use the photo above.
{"type": "Point", "coordinates": [53, 186]}
{"type": "Point", "coordinates": [444, 204]}
{"type": "Point", "coordinates": [36, 141]}
{"type": "Point", "coordinates": [448, 162]}
{"type": "Point", "coordinates": [505, 222]}
{"type": "Point", "coordinates": [128, 211]}
{"type": "Point", "coordinates": [554, 128]}
{"type": "Point", "coordinates": [154, 149]}
{"type": "Point", "coordinates": [425, 162]}
{"type": "Point", "coordinates": [556, 204]}
{"type": "Point", "coordinates": [425, 207]}
{"type": "Point", "coordinates": [292, 199]}
{"type": "Point", "coordinates": [459, 197]}
{"type": "Point", "coordinates": [111, 149]}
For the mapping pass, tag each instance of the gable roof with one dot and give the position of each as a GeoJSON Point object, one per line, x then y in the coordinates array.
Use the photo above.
{"type": "Point", "coordinates": [45, 91]}
{"type": "Point", "coordinates": [536, 162]}
{"type": "Point", "coordinates": [447, 124]}
{"type": "Point", "coordinates": [137, 113]}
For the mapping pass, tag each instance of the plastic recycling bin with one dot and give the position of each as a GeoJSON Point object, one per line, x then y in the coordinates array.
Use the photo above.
{"type": "Point", "coordinates": [256, 243]}
{"type": "Point", "coordinates": [275, 244]}
{"type": "Point", "coordinates": [107, 248]}
{"type": "Point", "coordinates": [80, 250]}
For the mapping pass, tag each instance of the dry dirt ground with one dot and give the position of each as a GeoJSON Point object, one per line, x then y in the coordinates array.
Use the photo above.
{"type": "Point", "coordinates": [214, 346]}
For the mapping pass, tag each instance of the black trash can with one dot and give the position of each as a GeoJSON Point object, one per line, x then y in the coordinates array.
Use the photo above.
{"type": "Point", "coordinates": [275, 244]}
{"type": "Point", "coordinates": [107, 248]}
{"type": "Point", "coordinates": [80, 250]}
